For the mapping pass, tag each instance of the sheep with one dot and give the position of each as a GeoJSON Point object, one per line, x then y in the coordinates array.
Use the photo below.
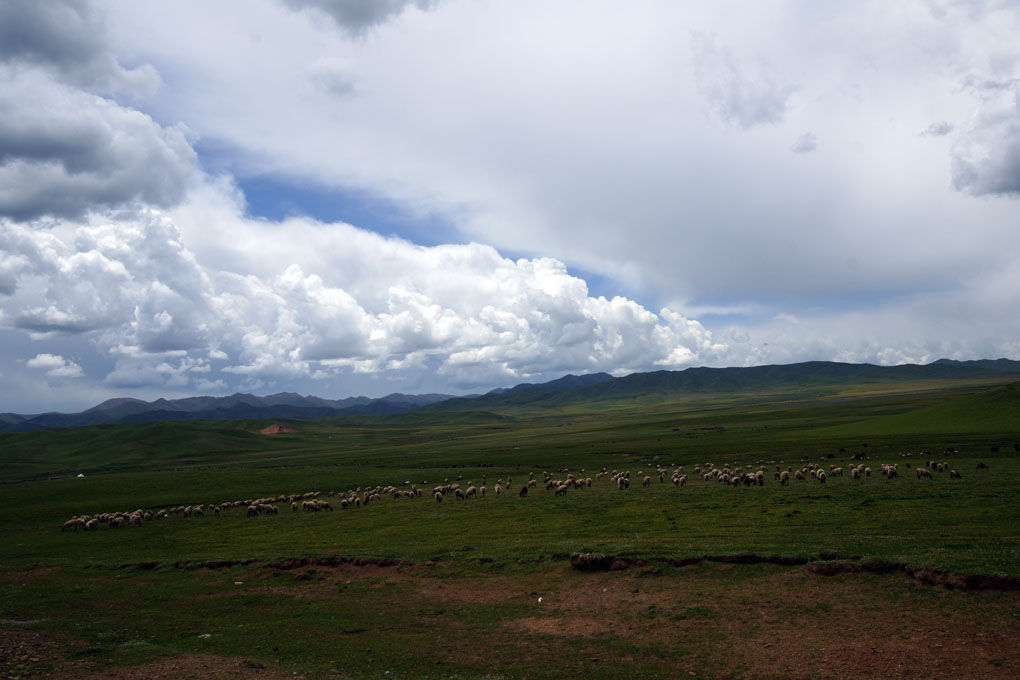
{"type": "Point", "coordinates": [470, 492]}
{"type": "Point", "coordinates": [953, 474]}
{"type": "Point", "coordinates": [439, 496]}
{"type": "Point", "coordinates": [923, 472]}
{"type": "Point", "coordinates": [91, 525]}
{"type": "Point", "coordinates": [523, 492]}
{"type": "Point", "coordinates": [821, 476]}
{"type": "Point", "coordinates": [71, 524]}
{"type": "Point", "coordinates": [498, 489]}
{"type": "Point", "coordinates": [646, 481]}
{"type": "Point", "coordinates": [784, 478]}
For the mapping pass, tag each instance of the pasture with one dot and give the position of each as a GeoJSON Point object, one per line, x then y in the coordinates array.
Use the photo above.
{"type": "Point", "coordinates": [415, 588]}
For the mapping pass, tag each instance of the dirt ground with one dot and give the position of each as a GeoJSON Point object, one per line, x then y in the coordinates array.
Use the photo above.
{"type": "Point", "coordinates": [720, 620]}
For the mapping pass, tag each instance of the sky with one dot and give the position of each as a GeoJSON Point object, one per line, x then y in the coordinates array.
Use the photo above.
{"type": "Point", "coordinates": [360, 197]}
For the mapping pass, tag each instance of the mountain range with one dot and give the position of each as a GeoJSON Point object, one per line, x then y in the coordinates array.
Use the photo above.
{"type": "Point", "coordinates": [235, 407]}
{"type": "Point", "coordinates": [592, 387]}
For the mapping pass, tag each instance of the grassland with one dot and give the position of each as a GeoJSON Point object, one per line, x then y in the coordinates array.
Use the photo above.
{"type": "Point", "coordinates": [450, 589]}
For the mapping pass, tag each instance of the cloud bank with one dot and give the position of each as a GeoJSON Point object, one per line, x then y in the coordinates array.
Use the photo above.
{"type": "Point", "coordinates": [360, 303]}
{"type": "Point", "coordinates": [612, 187]}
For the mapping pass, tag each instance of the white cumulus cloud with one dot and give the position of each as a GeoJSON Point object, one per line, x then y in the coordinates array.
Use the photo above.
{"type": "Point", "coordinates": [55, 366]}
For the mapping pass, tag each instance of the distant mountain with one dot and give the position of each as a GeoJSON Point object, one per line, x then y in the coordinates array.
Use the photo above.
{"type": "Point", "coordinates": [234, 407]}
{"type": "Point", "coordinates": [1001, 365]}
{"type": "Point", "coordinates": [570, 389]}
{"type": "Point", "coordinates": [807, 375]}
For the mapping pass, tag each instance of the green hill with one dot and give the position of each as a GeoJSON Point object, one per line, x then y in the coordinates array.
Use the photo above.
{"type": "Point", "coordinates": [806, 378]}
{"type": "Point", "coordinates": [994, 410]}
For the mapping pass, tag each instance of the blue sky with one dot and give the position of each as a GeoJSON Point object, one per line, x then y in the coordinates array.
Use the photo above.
{"type": "Point", "coordinates": [344, 198]}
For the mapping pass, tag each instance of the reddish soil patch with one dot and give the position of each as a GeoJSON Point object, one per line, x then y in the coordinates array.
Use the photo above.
{"type": "Point", "coordinates": [276, 428]}
{"type": "Point", "coordinates": [573, 627]}
{"type": "Point", "coordinates": [49, 574]}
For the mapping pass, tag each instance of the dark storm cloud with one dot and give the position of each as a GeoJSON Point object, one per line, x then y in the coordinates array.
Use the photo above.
{"type": "Point", "coordinates": [358, 16]}
{"type": "Point", "coordinates": [68, 37]}
{"type": "Point", "coordinates": [65, 152]}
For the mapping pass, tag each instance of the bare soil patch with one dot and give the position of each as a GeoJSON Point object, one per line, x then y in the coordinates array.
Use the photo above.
{"type": "Point", "coordinates": [32, 654]}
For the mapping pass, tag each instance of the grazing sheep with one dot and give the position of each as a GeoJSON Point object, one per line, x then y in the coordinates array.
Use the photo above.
{"type": "Point", "coordinates": [498, 489]}
{"type": "Point", "coordinates": [784, 477]}
{"type": "Point", "coordinates": [470, 492]}
{"type": "Point", "coordinates": [646, 481]}
{"type": "Point", "coordinates": [523, 492]}
{"type": "Point", "coordinates": [439, 496]}
{"type": "Point", "coordinates": [71, 524]}
{"type": "Point", "coordinates": [91, 525]}
{"type": "Point", "coordinates": [953, 474]}
{"type": "Point", "coordinates": [821, 476]}
{"type": "Point", "coordinates": [923, 472]}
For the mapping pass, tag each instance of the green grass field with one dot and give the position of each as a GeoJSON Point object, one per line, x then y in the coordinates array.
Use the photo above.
{"type": "Point", "coordinates": [127, 598]}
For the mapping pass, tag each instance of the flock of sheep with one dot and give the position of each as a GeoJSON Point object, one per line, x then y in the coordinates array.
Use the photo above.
{"type": "Point", "coordinates": [312, 501]}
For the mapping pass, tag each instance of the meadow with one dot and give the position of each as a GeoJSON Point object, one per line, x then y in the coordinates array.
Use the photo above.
{"type": "Point", "coordinates": [423, 589]}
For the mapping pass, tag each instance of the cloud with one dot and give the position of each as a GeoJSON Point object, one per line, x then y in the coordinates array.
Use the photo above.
{"type": "Point", "coordinates": [741, 94]}
{"type": "Point", "coordinates": [55, 366]}
{"type": "Point", "coordinates": [938, 129]}
{"type": "Point", "coordinates": [338, 300]}
{"type": "Point", "coordinates": [582, 146]}
{"type": "Point", "coordinates": [68, 37]}
{"type": "Point", "coordinates": [806, 143]}
{"type": "Point", "coordinates": [64, 151]}
{"type": "Point", "coordinates": [65, 148]}
{"type": "Point", "coordinates": [358, 16]}
{"type": "Point", "coordinates": [986, 156]}
{"type": "Point", "coordinates": [332, 77]}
